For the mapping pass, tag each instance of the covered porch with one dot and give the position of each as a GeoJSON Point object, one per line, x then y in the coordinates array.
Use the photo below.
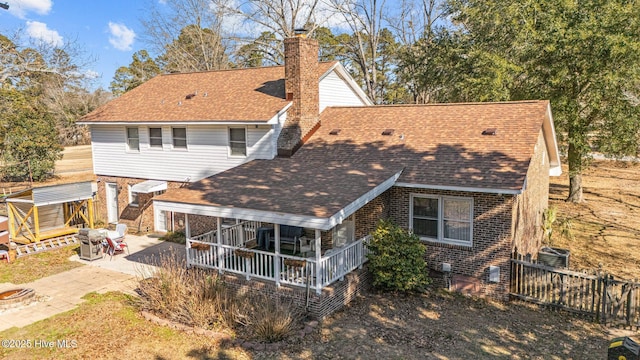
{"type": "Point", "coordinates": [235, 249]}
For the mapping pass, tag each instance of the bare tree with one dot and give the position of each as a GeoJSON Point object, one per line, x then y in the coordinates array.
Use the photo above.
{"type": "Point", "coordinates": [186, 34]}
{"type": "Point", "coordinates": [364, 18]}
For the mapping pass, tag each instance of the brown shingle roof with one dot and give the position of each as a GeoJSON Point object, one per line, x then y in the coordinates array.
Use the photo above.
{"type": "Point", "coordinates": [436, 145]}
{"type": "Point", "coordinates": [252, 94]}
{"type": "Point", "coordinates": [440, 144]}
{"type": "Point", "coordinates": [318, 188]}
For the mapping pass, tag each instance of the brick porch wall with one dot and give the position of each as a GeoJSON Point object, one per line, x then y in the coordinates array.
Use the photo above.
{"type": "Point", "coordinates": [331, 299]}
{"type": "Point", "coordinates": [492, 241]}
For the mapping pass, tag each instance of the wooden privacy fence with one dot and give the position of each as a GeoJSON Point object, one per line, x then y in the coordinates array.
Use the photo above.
{"type": "Point", "coordinates": [609, 301]}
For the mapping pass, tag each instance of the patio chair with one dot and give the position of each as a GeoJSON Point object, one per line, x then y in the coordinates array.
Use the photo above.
{"type": "Point", "coordinates": [307, 245]}
{"type": "Point", "coordinates": [114, 247]}
{"type": "Point", "coordinates": [118, 235]}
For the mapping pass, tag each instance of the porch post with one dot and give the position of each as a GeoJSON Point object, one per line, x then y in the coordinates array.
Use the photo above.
{"type": "Point", "coordinates": [319, 266]}
{"type": "Point", "coordinates": [187, 228]}
{"type": "Point", "coordinates": [276, 258]}
{"type": "Point", "coordinates": [219, 242]}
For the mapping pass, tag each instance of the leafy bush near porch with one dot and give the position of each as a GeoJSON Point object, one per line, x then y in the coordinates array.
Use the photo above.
{"type": "Point", "coordinates": [177, 237]}
{"type": "Point", "coordinates": [197, 297]}
{"type": "Point", "coordinates": [396, 260]}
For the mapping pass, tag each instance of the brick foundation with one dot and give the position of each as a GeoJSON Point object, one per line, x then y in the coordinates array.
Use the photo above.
{"type": "Point", "coordinates": [331, 299]}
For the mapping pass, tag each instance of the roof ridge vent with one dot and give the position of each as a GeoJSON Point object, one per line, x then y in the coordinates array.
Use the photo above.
{"type": "Point", "coordinates": [388, 132]}
{"type": "Point", "coordinates": [335, 131]}
{"type": "Point", "coordinates": [490, 131]}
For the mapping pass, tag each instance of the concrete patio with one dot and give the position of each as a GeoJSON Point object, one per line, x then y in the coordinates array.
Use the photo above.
{"type": "Point", "coordinates": [64, 291]}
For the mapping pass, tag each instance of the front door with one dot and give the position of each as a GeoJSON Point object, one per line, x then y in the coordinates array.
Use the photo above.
{"type": "Point", "coordinates": [161, 221]}
{"type": "Point", "coordinates": [112, 202]}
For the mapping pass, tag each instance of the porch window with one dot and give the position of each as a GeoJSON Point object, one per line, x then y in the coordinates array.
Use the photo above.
{"type": "Point", "coordinates": [179, 138]}
{"type": "Point", "coordinates": [155, 137]}
{"type": "Point", "coordinates": [443, 219]}
{"type": "Point", "coordinates": [133, 139]}
{"type": "Point", "coordinates": [237, 142]}
{"type": "Point", "coordinates": [133, 197]}
{"type": "Point", "coordinates": [344, 233]}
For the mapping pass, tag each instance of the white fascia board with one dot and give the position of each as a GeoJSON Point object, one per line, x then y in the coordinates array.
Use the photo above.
{"type": "Point", "coordinates": [459, 188]}
{"type": "Point", "coordinates": [344, 75]}
{"type": "Point", "coordinates": [274, 120]}
{"type": "Point", "coordinates": [176, 123]}
{"type": "Point", "coordinates": [550, 139]}
{"type": "Point", "coordinates": [246, 214]}
{"type": "Point", "coordinates": [363, 200]}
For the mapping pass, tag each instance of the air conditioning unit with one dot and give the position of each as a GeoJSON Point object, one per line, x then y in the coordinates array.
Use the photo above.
{"type": "Point", "coordinates": [554, 257]}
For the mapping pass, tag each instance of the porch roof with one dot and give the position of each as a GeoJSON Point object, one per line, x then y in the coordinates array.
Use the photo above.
{"type": "Point", "coordinates": [317, 194]}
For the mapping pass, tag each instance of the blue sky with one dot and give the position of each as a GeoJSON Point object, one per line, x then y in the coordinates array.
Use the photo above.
{"type": "Point", "coordinates": [108, 30]}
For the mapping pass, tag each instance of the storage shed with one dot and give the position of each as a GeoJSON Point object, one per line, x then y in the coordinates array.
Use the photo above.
{"type": "Point", "coordinates": [50, 211]}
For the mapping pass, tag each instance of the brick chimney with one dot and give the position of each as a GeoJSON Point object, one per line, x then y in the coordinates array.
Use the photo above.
{"type": "Point", "coordinates": [301, 87]}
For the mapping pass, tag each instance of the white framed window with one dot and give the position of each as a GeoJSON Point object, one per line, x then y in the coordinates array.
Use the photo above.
{"type": "Point", "coordinates": [179, 138]}
{"type": "Point", "coordinates": [155, 137]}
{"type": "Point", "coordinates": [445, 219]}
{"type": "Point", "coordinates": [133, 198]}
{"type": "Point", "coordinates": [237, 141]}
{"type": "Point", "coordinates": [133, 139]}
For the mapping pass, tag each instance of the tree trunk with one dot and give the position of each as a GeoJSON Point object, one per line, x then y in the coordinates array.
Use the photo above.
{"type": "Point", "coordinates": [575, 188]}
{"type": "Point", "coordinates": [575, 174]}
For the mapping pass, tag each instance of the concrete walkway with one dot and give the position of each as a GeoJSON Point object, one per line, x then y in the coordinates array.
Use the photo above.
{"type": "Point", "coordinates": [64, 291]}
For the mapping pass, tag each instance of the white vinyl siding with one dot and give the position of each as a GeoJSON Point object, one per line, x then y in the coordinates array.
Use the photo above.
{"type": "Point", "coordinates": [335, 92]}
{"type": "Point", "coordinates": [443, 219]}
{"type": "Point", "coordinates": [208, 152]}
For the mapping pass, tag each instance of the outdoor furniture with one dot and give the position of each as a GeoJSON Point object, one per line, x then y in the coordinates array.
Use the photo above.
{"type": "Point", "coordinates": [4, 255]}
{"type": "Point", "coordinates": [289, 235]}
{"type": "Point", "coordinates": [118, 235]}
{"type": "Point", "coordinates": [115, 247]}
{"type": "Point", "coordinates": [262, 236]}
{"type": "Point", "coordinates": [307, 246]}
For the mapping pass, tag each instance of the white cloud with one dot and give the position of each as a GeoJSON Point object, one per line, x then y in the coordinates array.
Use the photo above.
{"type": "Point", "coordinates": [40, 31]}
{"type": "Point", "coordinates": [121, 36]}
{"type": "Point", "coordinates": [20, 8]}
{"type": "Point", "coordinates": [92, 74]}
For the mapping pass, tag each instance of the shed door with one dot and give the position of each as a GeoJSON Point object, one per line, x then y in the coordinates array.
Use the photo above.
{"type": "Point", "coordinates": [112, 202]}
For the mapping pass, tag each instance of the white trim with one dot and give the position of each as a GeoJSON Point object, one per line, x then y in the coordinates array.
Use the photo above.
{"type": "Point", "coordinates": [460, 188]}
{"type": "Point", "coordinates": [440, 219]}
{"type": "Point", "coordinates": [130, 194]}
{"type": "Point", "coordinates": [177, 123]}
{"type": "Point", "coordinates": [246, 145]}
{"type": "Point", "coordinates": [274, 120]}
{"type": "Point", "coordinates": [186, 139]}
{"type": "Point", "coordinates": [550, 139]}
{"type": "Point", "coordinates": [148, 186]}
{"type": "Point", "coordinates": [278, 217]}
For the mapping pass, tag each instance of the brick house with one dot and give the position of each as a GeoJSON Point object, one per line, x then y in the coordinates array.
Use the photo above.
{"type": "Point", "coordinates": [470, 179]}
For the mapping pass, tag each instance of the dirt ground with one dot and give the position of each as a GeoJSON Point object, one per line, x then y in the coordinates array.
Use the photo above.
{"type": "Point", "coordinates": [441, 325]}
{"type": "Point", "coordinates": [606, 227]}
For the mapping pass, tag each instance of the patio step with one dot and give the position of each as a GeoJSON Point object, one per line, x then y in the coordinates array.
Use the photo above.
{"type": "Point", "coordinates": [46, 245]}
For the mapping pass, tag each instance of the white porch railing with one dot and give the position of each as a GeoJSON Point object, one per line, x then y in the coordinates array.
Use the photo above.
{"type": "Point", "coordinates": [294, 270]}
{"type": "Point", "coordinates": [235, 235]}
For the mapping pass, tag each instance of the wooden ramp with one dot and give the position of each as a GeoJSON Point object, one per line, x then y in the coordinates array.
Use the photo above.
{"type": "Point", "coordinates": [46, 245]}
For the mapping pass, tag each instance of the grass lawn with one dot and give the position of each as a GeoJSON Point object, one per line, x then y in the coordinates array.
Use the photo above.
{"type": "Point", "coordinates": [32, 267]}
{"type": "Point", "coordinates": [606, 227]}
{"type": "Point", "coordinates": [108, 326]}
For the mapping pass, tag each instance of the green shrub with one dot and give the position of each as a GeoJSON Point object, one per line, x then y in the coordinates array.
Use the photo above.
{"type": "Point", "coordinates": [177, 237]}
{"type": "Point", "coordinates": [396, 259]}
